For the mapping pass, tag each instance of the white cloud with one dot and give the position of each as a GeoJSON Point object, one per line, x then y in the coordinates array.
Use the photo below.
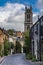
{"type": "Point", "coordinates": [35, 14]}
{"type": "Point", "coordinates": [35, 17]}
{"type": "Point", "coordinates": [12, 16]}
{"type": "Point", "coordinates": [40, 5]}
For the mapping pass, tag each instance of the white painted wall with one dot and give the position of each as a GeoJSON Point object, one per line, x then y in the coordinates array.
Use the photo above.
{"type": "Point", "coordinates": [10, 39]}
{"type": "Point", "coordinates": [35, 43]}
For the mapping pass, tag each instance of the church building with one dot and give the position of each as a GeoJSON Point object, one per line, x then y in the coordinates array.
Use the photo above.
{"type": "Point", "coordinates": [28, 18]}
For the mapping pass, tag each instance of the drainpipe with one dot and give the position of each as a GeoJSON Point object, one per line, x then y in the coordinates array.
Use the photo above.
{"type": "Point", "coordinates": [40, 40]}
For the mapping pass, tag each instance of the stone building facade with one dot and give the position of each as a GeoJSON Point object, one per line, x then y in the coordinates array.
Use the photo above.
{"type": "Point", "coordinates": [36, 33]}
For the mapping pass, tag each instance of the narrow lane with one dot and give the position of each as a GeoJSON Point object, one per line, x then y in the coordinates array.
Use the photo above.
{"type": "Point", "coordinates": [17, 59]}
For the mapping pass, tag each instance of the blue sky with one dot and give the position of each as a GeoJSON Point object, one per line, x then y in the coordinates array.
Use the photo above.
{"type": "Point", "coordinates": [28, 2]}
{"type": "Point", "coordinates": [12, 12]}
{"type": "Point", "coordinates": [32, 2]}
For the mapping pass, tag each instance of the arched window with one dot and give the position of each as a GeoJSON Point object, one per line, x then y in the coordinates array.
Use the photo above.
{"type": "Point", "coordinates": [28, 16]}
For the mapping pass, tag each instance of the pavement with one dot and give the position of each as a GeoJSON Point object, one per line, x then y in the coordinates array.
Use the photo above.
{"type": "Point", "coordinates": [1, 59]}
{"type": "Point", "coordinates": [18, 59]}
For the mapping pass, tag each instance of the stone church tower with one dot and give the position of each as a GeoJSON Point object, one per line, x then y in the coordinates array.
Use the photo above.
{"type": "Point", "coordinates": [28, 18]}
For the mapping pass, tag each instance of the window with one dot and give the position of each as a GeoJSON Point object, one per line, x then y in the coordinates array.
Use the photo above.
{"type": "Point", "coordinates": [28, 20]}
{"type": "Point", "coordinates": [28, 16]}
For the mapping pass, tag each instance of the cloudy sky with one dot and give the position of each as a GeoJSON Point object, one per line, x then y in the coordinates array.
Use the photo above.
{"type": "Point", "coordinates": [12, 12]}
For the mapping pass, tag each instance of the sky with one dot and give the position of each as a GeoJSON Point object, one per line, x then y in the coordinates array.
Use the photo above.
{"type": "Point", "coordinates": [12, 12]}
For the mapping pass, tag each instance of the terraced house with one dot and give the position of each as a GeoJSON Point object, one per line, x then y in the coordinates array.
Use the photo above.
{"type": "Point", "coordinates": [37, 39]}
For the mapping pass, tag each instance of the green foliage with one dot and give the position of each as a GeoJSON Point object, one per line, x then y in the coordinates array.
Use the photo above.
{"type": "Point", "coordinates": [0, 49]}
{"type": "Point", "coordinates": [7, 47]}
{"type": "Point", "coordinates": [10, 31]}
{"type": "Point", "coordinates": [27, 45]}
{"type": "Point", "coordinates": [29, 56]}
{"type": "Point", "coordinates": [26, 34]}
{"type": "Point", "coordinates": [34, 59]}
{"type": "Point", "coordinates": [12, 45]}
{"type": "Point", "coordinates": [2, 54]}
{"type": "Point", "coordinates": [18, 47]}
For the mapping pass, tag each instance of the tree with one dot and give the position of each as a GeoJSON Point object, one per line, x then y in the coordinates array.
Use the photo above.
{"type": "Point", "coordinates": [12, 45]}
{"type": "Point", "coordinates": [27, 45]}
{"type": "Point", "coordinates": [11, 31]}
{"type": "Point", "coordinates": [18, 47]}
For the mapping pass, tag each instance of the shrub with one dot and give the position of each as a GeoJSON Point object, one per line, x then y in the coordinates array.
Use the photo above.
{"type": "Point", "coordinates": [29, 56]}
{"type": "Point", "coordinates": [0, 46]}
{"type": "Point", "coordinates": [34, 59]}
{"type": "Point", "coordinates": [12, 45]}
{"type": "Point", "coordinates": [7, 47]}
{"type": "Point", "coordinates": [2, 55]}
